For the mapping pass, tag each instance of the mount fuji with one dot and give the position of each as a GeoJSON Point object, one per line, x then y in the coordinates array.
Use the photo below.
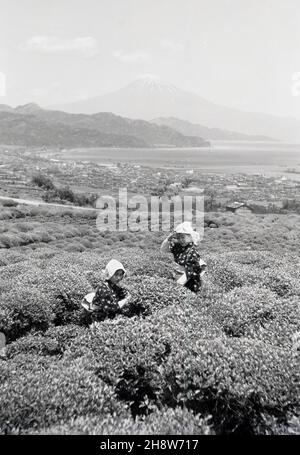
{"type": "Point", "coordinates": [150, 98]}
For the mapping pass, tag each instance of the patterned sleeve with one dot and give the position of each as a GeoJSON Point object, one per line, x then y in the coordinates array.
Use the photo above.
{"type": "Point", "coordinates": [192, 267]}
{"type": "Point", "coordinates": [121, 293]}
{"type": "Point", "coordinates": [104, 301]}
{"type": "Point", "coordinates": [174, 246]}
{"type": "Point", "coordinates": [171, 244]}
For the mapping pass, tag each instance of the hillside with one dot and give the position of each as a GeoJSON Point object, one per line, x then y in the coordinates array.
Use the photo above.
{"type": "Point", "coordinates": [28, 130]}
{"type": "Point", "coordinates": [5, 108]}
{"type": "Point", "coordinates": [193, 129]}
{"type": "Point", "coordinates": [149, 98]}
{"type": "Point", "coordinates": [32, 125]}
{"type": "Point", "coordinates": [222, 362]}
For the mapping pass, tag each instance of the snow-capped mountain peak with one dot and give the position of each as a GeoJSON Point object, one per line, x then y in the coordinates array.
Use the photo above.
{"type": "Point", "coordinates": [149, 97]}
{"type": "Point", "coordinates": [152, 82]}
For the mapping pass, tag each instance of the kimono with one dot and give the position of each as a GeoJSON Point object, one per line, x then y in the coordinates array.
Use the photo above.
{"type": "Point", "coordinates": [105, 303]}
{"type": "Point", "coordinates": [188, 257]}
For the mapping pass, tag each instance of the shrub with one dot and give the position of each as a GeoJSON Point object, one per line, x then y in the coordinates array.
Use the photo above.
{"type": "Point", "coordinates": [62, 282]}
{"type": "Point", "coordinates": [52, 342]}
{"type": "Point", "coordinates": [227, 274]}
{"type": "Point", "coordinates": [6, 215]}
{"type": "Point", "coordinates": [125, 353]}
{"type": "Point", "coordinates": [231, 270]}
{"type": "Point", "coordinates": [227, 352]}
{"type": "Point", "coordinates": [150, 294]}
{"type": "Point", "coordinates": [22, 310]}
{"type": "Point", "coordinates": [65, 193]}
{"type": "Point", "coordinates": [64, 335]}
{"type": "Point", "coordinates": [8, 203]}
{"type": "Point", "coordinates": [162, 421]}
{"type": "Point", "coordinates": [10, 240]}
{"type": "Point", "coordinates": [243, 307]}
{"type": "Point", "coordinates": [129, 353]}
{"type": "Point", "coordinates": [42, 181]}
{"type": "Point", "coordinates": [86, 243]}
{"type": "Point", "coordinates": [281, 329]}
{"type": "Point", "coordinates": [177, 421]}
{"type": "Point", "coordinates": [11, 257]}
{"type": "Point", "coordinates": [281, 282]}
{"type": "Point", "coordinates": [74, 247]}
{"type": "Point", "coordinates": [256, 312]}
{"type": "Point", "coordinates": [185, 324]}
{"type": "Point", "coordinates": [49, 393]}
{"type": "Point", "coordinates": [45, 253]}
{"type": "Point", "coordinates": [33, 344]}
{"type": "Point", "coordinates": [153, 267]}
{"type": "Point", "coordinates": [276, 426]}
{"type": "Point", "coordinates": [234, 380]}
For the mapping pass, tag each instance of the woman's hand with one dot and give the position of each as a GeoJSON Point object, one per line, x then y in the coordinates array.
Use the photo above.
{"type": "Point", "coordinates": [182, 280]}
{"type": "Point", "coordinates": [123, 302]}
{"type": "Point", "coordinates": [165, 244]}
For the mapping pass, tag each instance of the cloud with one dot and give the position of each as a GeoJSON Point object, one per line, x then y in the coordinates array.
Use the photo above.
{"type": "Point", "coordinates": [132, 57]}
{"type": "Point", "coordinates": [85, 45]}
{"type": "Point", "coordinates": [172, 46]}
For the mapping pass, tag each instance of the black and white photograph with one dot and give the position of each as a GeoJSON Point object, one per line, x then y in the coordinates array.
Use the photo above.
{"type": "Point", "coordinates": [149, 221]}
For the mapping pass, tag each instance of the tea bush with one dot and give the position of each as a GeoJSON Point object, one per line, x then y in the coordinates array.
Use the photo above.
{"type": "Point", "coordinates": [227, 274]}
{"type": "Point", "coordinates": [63, 286]}
{"type": "Point", "coordinates": [23, 310]}
{"type": "Point", "coordinates": [129, 353]}
{"type": "Point", "coordinates": [182, 357]}
{"type": "Point", "coordinates": [228, 352]}
{"type": "Point", "coordinates": [39, 345]}
{"type": "Point", "coordinates": [150, 294]}
{"type": "Point", "coordinates": [281, 329]}
{"type": "Point", "coordinates": [11, 257]}
{"type": "Point", "coordinates": [52, 342]}
{"type": "Point", "coordinates": [231, 270]}
{"type": "Point", "coordinates": [165, 421]}
{"type": "Point", "coordinates": [235, 380]}
{"type": "Point", "coordinates": [152, 265]}
{"type": "Point", "coordinates": [64, 335]}
{"type": "Point", "coordinates": [277, 427]}
{"type": "Point", "coordinates": [256, 312]}
{"type": "Point", "coordinates": [8, 203]}
{"type": "Point", "coordinates": [185, 324]}
{"type": "Point", "coordinates": [177, 421]}
{"type": "Point", "coordinates": [124, 353]}
{"type": "Point", "coordinates": [36, 393]}
{"type": "Point", "coordinates": [243, 307]}
{"type": "Point", "coordinates": [281, 282]}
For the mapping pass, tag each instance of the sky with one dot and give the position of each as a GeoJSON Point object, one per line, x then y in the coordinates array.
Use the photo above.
{"type": "Point", "coordinates": [238, 53]}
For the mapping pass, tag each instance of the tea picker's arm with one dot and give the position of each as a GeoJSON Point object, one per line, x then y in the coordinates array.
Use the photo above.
{"type": "Point", "coordinates": [123, 302]}
{"type": "Point", "coordinates": [165, 246]}
{"type": "Point", "coordinates": [203, 267]}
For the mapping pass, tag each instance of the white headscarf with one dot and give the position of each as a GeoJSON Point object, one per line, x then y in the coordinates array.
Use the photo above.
{"type": "Point", "coordinates": [111, 268]}
{"type": "Point", "coordinates": [186, 228]}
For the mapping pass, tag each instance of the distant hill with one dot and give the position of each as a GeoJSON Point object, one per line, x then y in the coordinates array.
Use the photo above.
{"type": "Point", "coordinates": [5, 108]}
{"type": "Point", "coordinates": [193, 129]}
{"type": "Point", "coordinates": [149, 98]}
{"type": "Point", "coordinates": [33, 126]}
{"type": "Point", "coordinates": [30, 108]}
{"type": "Point", "coordinates": [18, 129]}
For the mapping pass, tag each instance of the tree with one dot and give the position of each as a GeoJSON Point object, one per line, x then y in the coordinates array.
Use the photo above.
{"type": "Point", "coordinates": [43, 181]}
